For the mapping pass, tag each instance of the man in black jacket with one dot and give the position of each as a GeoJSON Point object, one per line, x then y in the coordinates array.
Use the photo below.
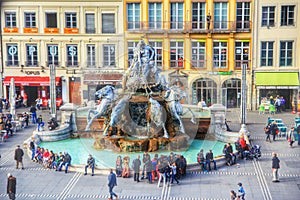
{"type": "Point", "coordinates": [90, 163]}
{"type": "Point", "coordinates": [19, 153]}
{"type": "Point", "coordinates": [275, 167]}
{"type": "Point", "coordinates": [11, 187]}
{"type": "Point", "coordinates": [136, 168]}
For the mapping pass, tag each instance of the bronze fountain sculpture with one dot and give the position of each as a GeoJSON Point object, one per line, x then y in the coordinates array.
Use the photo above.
{"type": "Point", "coordinates": [146, 116]}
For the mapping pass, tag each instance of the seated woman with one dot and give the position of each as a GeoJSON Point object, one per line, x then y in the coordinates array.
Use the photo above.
{"type": "Point", "coordinates": [119, 167]}
{"type": "Point", "coordinates": [126, 169]}
{"type": "Point", "coordinates": [3, 133]}
{"type": "Point", "coordinates": [8, 127]}
{"type": "Point", "coordinates": [46, 157]}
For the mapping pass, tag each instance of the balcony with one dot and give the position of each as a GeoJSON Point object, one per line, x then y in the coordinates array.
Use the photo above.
{"type": "Point", "coordinates": [189, 27]}
{"type": "Point", "coordinates": [10, 63]}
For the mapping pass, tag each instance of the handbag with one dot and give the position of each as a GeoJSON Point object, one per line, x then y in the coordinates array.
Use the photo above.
{"type": "Point", "coordinates": [277, 131]}
{"type": "Point", "coordinates": [289, 140]}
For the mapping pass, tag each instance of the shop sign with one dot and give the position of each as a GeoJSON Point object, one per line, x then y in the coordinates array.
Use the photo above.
{"type": "Point", "coordinates": [32, 72]}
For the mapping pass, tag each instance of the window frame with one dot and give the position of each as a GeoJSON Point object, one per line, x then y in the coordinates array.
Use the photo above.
{"type": "Point", "coordinates": [47, 21]}
{"type": "Point", "coordinates": [91, 55]}
{"type": "Point", "coordinates": [268, 21]}
{"type": "Point", "coordinates": [156, 23]}
{"type": "Point", "coordinates": [72, 60]}
{"type": "Point", "coordinates": [157, 46]}
{"type": "Point", "coordinates": [10, 19]}
{"type": "Point", "coordinates": [244, 23]}
{"type": "Point", "coordinates": [110, 61]}
{"type": "Point", "coordinates": [198, 19]}
{"type": "Point", "coordinates": [31, 55]}
{"type": "Point", "coordinates": [179, 54]}
{"type": "Point", "coordinates": [30, 19]}
{"type": "Point", "coordinates": [110, 31]}
{"type": "Point", "coordinates": [135, 23]}
{"type": "Point", "coordinates": [90, 23]}
{"type": "Point", "coordinates": [218, 58]}
{"type": "Point", "coordinates": [53, 59]}
{"type": "Point", "coordinates": [269, 53]}
{"type": "Point", "coordinates": [198, 63]}
{"type": "Point", "coordinates": [288, 53]}
{"type": "Point", "coordinates": [219, 22]}
{"type": "Point", "coordinates": [244, 56]}
{"type": "Point", "coordinates": [12, 58]}
{"type": "Point", "coordinates": [70, 20]}
{"type": "Point", "coordinates": [286, 20]}
{"type": "Point", "coordinates": [177, 18]}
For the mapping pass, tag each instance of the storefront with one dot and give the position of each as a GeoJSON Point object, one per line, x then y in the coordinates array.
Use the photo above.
{"type": "Point", "coordinates": [273, 84]}
{"type": "Point", "coordinates": [98, 81]}
{"type": "Point", "coordinates": [34, 87]}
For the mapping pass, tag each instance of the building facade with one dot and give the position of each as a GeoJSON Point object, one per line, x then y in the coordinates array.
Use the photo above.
{"type": "Point", "coordinates": [82, 39]}
{"type": "Point", "coordinates": [200, 44]}
{"type": "Point", "coordinates": [276, 60]}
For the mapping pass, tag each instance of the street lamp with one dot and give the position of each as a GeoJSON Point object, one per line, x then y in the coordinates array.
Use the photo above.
{"type": "Point", "coordinates": [52, 91]}
{"type": "Point", "coordinates": [244, 94]}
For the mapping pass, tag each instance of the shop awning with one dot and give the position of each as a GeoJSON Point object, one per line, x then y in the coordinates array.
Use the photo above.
{"type": "Point", "coordinates": [97, 79]}
{"type": "Point", "coordinates": [30, 80]}
{"type": "Point", "coordinates": [277, 79]}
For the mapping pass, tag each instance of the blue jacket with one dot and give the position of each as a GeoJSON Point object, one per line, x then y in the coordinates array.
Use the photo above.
{"type": "Point", "coordinates": [112, 180]}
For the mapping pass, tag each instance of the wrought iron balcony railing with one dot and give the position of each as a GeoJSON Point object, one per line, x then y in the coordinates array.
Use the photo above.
{"type": "Point", "coordinates": [189, 26]}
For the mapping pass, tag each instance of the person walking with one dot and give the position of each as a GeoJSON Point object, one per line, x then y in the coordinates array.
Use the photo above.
{"type": "Point", "coordinates": [136, 168]}
{"type": "Point", "coordinates": [274, 129]}
{"type": "Point", "coordinates": [19, 153]}
{"type": "Point", "coordinates": [90, 163]}
{"type": "Point", "coordinates": [32, 148]}
{"type": "Point", "coordinates": [241, 191]}
{"type": "Point", "coordinates": [268, 132]}
{"type": "Point", "coordinates": [33, 114]}
{"type": "Point", "coordinates": [112, 182]}
{"type": "Point", "coordinates": [291, 137]}
{"type": "Point", "coordinates": [275, 167]}
{"type": "Point", "coordinates": [11, 186]}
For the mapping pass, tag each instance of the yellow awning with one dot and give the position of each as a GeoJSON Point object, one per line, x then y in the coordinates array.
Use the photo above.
{"type": "Point", "coordinates": [277, 79]}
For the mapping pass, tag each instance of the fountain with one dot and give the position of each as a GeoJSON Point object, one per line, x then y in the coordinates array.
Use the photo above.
{"type": "Point", "coordinates": [146, 115]}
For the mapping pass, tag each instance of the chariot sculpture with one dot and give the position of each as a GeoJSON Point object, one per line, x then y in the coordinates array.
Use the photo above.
{"type": "Point", "coordinates": [146, 115]}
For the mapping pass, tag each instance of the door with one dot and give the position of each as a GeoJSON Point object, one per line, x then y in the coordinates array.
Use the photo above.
{"type": "Point", "coordinates": [75, 90]}
{"type": "Point", "coordinates": [32, 93]}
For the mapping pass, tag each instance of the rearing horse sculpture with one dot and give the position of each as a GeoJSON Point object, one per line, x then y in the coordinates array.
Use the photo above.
{"type": "Point", "coordinates": [173, 96]}
{"type": "Point", "coordinates": [107, 95]}
{"type": "Point", "coordinates": [157, 115]}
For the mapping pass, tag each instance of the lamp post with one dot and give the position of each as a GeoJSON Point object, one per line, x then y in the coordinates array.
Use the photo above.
{"type": "Point", "coordinates": [52, 91]}
{"type": "Point", "coordinates": [244, 94]}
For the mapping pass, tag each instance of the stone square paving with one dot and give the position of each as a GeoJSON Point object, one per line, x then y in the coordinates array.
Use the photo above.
{"type": "Point", "coordinates": [36, 182]}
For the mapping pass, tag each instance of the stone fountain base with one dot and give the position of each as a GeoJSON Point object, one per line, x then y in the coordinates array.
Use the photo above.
{"type": "Point", "coordinates": [132, 144]}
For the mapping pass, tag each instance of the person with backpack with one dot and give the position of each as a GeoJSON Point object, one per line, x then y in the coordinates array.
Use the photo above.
{"type": "Point", "coordinates": [268, 132]}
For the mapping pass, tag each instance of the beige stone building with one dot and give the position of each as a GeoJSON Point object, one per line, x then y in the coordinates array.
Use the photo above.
{"type": "Point", "coordinates": [276, 51]}
{"type": "Point", "coordinates": [82, 39]}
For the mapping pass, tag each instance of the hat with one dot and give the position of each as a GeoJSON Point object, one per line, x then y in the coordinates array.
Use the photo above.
{"type": "Point", "coordinates": [9, 175]}
{"type": "Point", "coordinates": [239, 184]}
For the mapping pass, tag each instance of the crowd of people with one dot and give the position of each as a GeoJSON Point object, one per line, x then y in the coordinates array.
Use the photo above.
{"type": "Point", "coordinates": [49, 159]}
{"type": "Point", "coordinates": [163, 168]}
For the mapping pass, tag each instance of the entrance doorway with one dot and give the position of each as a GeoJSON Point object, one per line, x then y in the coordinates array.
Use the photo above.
{"type": "Point", "coordinates": [75, 95]}
{"type": "Point", "coordinates": [32, 93]}
{"type": "Point", "coordinates": [205, 88]}
{"type": "Point", "coordinates": [233, 93]}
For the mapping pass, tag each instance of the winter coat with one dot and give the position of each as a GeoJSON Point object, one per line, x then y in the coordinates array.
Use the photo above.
{"type": "Point", "coordinates": [275, 162]}
{"type": "Point", "coordinates": [112, 180]}
{"type": "Point", "coordinates": [291, 136]}
{"type": "Point", "coordinates": [19, 154]}
{"type": "Point", "coordinates": [11, 185]}
{"type": "Point", "coordinates": [148, 166]}
{"type": "Point", "coordinates": [136, 165]}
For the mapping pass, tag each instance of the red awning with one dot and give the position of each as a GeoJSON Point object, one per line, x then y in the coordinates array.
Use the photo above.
{"type": "Point", "coordinates": [30, 80]}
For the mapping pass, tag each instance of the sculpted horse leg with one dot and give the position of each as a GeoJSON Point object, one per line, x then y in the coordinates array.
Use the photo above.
{"type": "Point", "coordinates": [88, 126]}
{"type": "Point", "coordinates": [193, 119]}
{"type": "Point", "coordinates": [166, 134]}
{"type": "Point", "coordinates": [89, 114]}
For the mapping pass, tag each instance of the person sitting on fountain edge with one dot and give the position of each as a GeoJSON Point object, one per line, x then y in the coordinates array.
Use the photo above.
{"type": "Point", "coordinates": [90, 163]}
{"type": "Point", "coordinates": [210, 158]}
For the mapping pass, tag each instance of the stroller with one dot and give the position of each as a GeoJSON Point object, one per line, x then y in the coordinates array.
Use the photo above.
{"type": "Point", "coordinates": [253, 153]}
